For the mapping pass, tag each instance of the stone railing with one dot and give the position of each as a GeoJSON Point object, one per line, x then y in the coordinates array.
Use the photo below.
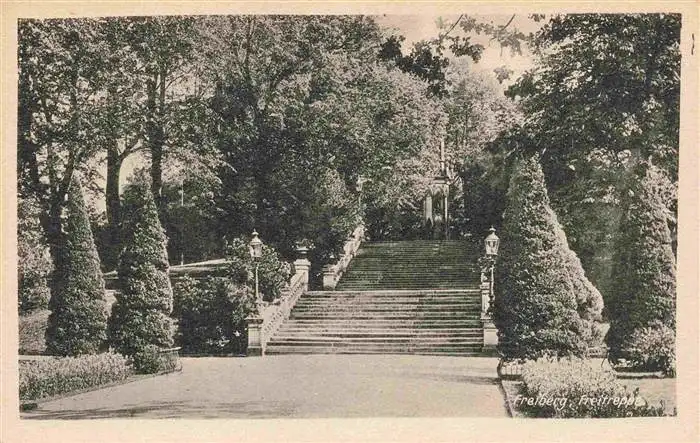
{"type": "Point", "coordinates": [275, 314]}
{"type": "Point", "coordinates": [332, 272]}
{"type": "Point", "coordinates": [262, 327]}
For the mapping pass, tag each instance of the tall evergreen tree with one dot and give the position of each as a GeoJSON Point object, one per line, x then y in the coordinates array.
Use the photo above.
{"type": "Point", "coordinates": [141, 314]}
{"type": "Point", "coordinates": [539, 297]}
{"type": "Point", "coordinates": [644, 268]}
{"type": "Point", "coordinates": [78, 320]}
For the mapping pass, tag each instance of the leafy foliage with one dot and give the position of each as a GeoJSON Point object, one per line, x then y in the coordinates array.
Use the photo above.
{"type": "Point", "coordinates": [653, 348]}
{"type": "Point", "coordinates": [273, 273]}
{"type": "Point", "coordinates": [141, 313]}
{"type": "Point", "coordinates": [78, 320]}
{"type": "Point", "coordinates": [644, 290]}
{"type": "Point", "coordinates": [536, 307]}
{"type": "Point", "coordinates": [152, 360]}
{"type": "Point", "coordinates": [211, 315]}
{"type": "Point", "coordinates": [603, 96]}
{"type": "Point", "coordinates": [34, 261]}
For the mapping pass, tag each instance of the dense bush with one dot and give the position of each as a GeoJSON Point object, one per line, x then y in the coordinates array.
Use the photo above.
{"type": "Point", "coordinates": [652, 348]}
{"type": "Point", "coordinates": [578, 388]}
{"type": "Point", "coordinates": [151, 360]}
{"type": "Point", "coordinates": [644, 290]}
{"type": "Point", "coordinates": [537, 308]}
{"type": "Point", "coordinates": [34, 263]}
{"type": "Point", "coordinates": [211, 315]}
{"type": "Point", "coordinates": [589, 301]}
{"type": "Point", "coordinates": [273, 273]}
{"type": "Point", "coordinates": [46, 378]}
{"type": "Point", "coordinates": [141, 313]}
{"type": "Point", "coordinates": [78, 320]}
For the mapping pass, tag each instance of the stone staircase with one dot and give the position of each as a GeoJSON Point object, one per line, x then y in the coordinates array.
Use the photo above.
{"type": "Point", "coordinates": [409, 297]}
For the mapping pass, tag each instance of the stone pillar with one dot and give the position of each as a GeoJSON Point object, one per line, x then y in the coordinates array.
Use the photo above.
{"type": "Point", "coordinates": [428, 208]}
{"type": "Point", "coordinates": [329, 280]}
{"type": "Point", "coordinates": [302, 265]}
{"type": "Point", "coordinates": [490, 333]}
{"type": "Point", "coordinates": [255, 345]}
{"type": "Point", "coordinates": [490, 336]}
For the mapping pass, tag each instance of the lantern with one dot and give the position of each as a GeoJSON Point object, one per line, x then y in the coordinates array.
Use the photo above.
{"type": "Point", "coordinates": [491, 243]}
{"type": "Point", "coordinates": [255, 246]}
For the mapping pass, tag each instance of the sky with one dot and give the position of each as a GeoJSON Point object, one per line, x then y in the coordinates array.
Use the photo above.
{"type": "Point", "coordinates": [417, 27]}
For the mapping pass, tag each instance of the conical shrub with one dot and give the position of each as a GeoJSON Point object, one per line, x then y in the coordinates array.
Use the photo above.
{"type": "Point", "coordinates": [643, 294]}
{"type": "Point", "coordinates": [78, 320]}
{"type": "Point", "coordinates": [542, 296]}
{"type": "Point", "coordinates": [141, 313]}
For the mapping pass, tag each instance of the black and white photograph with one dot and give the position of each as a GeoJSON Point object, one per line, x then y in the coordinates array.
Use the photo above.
{"type": "Point", "coordinates": [267, 216]}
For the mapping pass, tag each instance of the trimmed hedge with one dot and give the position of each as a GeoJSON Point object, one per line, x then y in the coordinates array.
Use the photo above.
{"type": "Point", "coordinates": [653, 348]}
{"type": "Point", "coordinates": [152, 360]}
{"type": "Point", "coordinates": [577, 388]}
{"type": "Point", "coordinates": [544, 304]}
{"type": "Point", "coordinates": [141, 313]}
{"type": "Point", "coordinates": [643, 294]}
{"type": "Point", "coordinates": [55, 376]}
{"type": "Point", "coordinates": [78, 320]}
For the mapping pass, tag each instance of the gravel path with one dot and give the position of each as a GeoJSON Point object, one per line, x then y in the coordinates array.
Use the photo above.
{"type": "Point", "coordinates": [299, 386]}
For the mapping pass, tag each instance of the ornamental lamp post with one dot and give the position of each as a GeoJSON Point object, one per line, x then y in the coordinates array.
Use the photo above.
{"type": "Point", "coordinates": [255, 249]}
{"type": "Point", "coordinates": [491, 244]}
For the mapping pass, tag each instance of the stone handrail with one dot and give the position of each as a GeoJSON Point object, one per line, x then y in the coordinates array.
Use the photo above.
{"type": "Point", "coordinates": [263, 326]}
{"type": "Point", "coordinates": [333, 272]}
{"type": "Point", "coordinates": [275, 314]}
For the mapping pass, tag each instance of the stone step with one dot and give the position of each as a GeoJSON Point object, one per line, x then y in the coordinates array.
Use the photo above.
{"type": "Point", "coordinates": [342, 297]}
{"type": "Point", "coordinates": [409, 322]}
{"type": "Point", "coordinates": [387, 316]}
{"type": "Point", "coordinates": [465, 352]}
{"type": "Point", "coordinates": [350, 285]}
{"type": "Point", "coordinates": [311, 334]}
{"type": "Point", "coordinates": [406, 297]}
{"type": "Point", "coordinates": [347, 307]}
{"type": "Point", "coordinates": [391, 292]}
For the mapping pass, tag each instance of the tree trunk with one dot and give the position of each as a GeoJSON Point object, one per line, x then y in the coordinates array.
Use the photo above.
{"type": "Point", "coordinates": [114, 164]}
{"type": "Point", "coordinates": [111, 243]}
{"type": "Point", "coordinates": [155, 136]}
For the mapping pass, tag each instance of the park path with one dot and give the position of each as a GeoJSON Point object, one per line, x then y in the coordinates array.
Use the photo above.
{"type": "Point", "coordinates": [299, 386]}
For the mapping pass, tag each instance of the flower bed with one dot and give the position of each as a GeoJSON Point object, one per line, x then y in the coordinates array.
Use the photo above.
{"type": "Point", "coordinates": [55, 376]}
{"type": "Point", "coordinates": [575, 388]}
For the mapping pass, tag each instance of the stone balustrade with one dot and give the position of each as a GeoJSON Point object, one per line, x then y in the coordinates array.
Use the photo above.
{"type": "Point", "coordinates": [263, 326]}
{"type": "Point", "coordinates": [333, 271]}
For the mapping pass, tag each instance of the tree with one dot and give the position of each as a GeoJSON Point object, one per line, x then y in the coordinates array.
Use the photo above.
{"type": "Point", "coordinates": [33, 258]}
{"type": "Point", "coordinates": [301, 108]}
{"type": "Point", "coordinates": [78, 320]}
{"type": "Point", "coordinates": [603, 96]}
{"type": "Point", "coordinates": [644, 290]}
{"type": "Point", "coordinates": [538, 300]}
{"type": "Point", "coordinates": [141, 313]}
{"type": "Point", "coordinates": [61, 68]}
